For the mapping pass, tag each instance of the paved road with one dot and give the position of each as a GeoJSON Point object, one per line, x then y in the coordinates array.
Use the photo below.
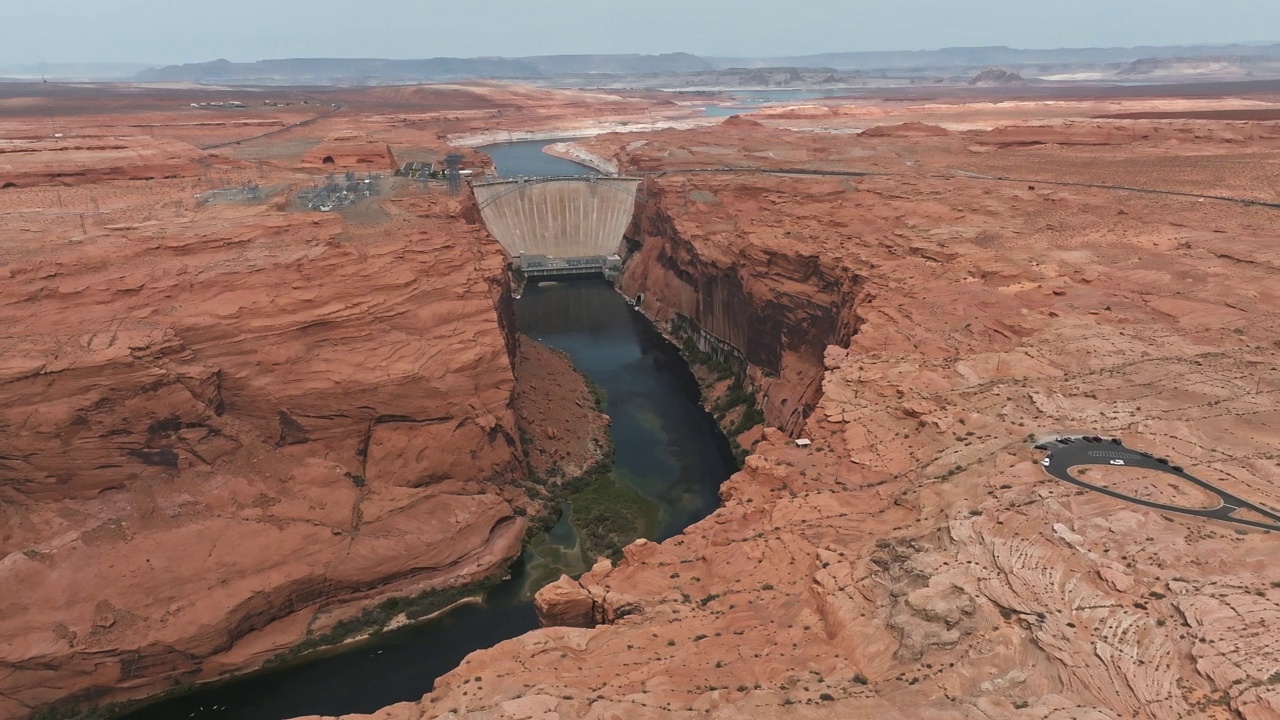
{"type": "Point", "coordinates": [1126, 188]}
{"type": "Point", "coordinates": [965, 175]}
{"type": "Point", "coordinates": [287, 128]}
{"type": "Point", "coordinates": [1066, 453]}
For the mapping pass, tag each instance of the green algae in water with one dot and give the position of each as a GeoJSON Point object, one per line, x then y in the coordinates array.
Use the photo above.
{"type": "Point", "coordinates": [611, 514]}
{"type": "Point", "coordinates": [597, 521]}
{"type": "Point", "coordinates": [554, 553]}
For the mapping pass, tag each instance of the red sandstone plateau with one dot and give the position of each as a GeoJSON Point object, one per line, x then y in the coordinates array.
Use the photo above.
{"type": "Point", "coordinates": [924, 326]}
{"type": "Point", "coordinates": [220, 425]}
{"type": "Point", "coordinates": [226, 426]}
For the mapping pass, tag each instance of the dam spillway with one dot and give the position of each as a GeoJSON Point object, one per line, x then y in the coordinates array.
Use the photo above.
{"type": "Point", "coordinates": [559, 225]}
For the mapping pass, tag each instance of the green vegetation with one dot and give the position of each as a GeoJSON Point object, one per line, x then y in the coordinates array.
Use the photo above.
{"type": "Point", "coordinates": [738, 396]}
{"type": "Point", "coordinates": [551, 495]}
{"type": "Point", "coordinates": [75, 713]}
{"type": "Point", "coordinates": [609, 515]}
{"type": "Point", "coordinates": [695, 356]}
{"type": "Point", "coordinates": [597, 393]}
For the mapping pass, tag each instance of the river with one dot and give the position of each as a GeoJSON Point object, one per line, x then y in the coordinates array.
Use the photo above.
{"type": "Point", "coordinates": [668, 452]}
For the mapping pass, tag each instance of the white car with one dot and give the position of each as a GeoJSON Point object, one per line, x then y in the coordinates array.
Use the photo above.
{"type": "Point", "coordinates": [1117, 462]}
{"type": "Point", "coordinates": [1045, 462]}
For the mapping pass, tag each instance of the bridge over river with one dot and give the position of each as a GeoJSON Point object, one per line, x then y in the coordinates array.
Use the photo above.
{"type": "Point", "coordinates": [561, 225]}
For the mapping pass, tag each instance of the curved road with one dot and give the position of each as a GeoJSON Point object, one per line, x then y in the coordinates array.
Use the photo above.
{"type": "Point", "coordinates": [1066, 453]}
{"type": "Point", "coordinates": [1100, 186]}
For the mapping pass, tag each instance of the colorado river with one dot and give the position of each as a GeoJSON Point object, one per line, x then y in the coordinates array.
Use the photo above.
{"type": "Point", "coordinates": [668, 451]}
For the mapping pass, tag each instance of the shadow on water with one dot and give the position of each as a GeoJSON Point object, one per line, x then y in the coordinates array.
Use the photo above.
{"type": "Point", "coordinates": [667, 447]}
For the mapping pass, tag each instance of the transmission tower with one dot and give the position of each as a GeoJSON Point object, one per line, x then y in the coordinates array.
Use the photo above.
{"type": "Point", "coordinates": [453, 173]}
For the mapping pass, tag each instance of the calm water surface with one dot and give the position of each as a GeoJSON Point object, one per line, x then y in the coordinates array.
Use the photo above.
{"type": "Point", "coordinates": [526, 158]}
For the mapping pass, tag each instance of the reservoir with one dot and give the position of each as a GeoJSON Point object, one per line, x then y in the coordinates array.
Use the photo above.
{"type": "Point", "coordinates": [669, 454]}
{"type": "Point", "coordinates": [527, 159]}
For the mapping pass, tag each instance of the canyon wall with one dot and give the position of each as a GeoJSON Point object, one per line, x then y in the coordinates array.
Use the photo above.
{"type": "Point", "coordinates": [770, 304]}
{"type": "Point", "coordinates": [222, 427]}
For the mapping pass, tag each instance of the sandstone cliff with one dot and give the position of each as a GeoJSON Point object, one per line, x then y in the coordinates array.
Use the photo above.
{"type": "Point", "coordinates": [218, 423]}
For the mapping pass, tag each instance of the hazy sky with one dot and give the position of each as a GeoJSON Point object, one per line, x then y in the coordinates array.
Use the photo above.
{"type": "Point", "coordinates": [173, 31]}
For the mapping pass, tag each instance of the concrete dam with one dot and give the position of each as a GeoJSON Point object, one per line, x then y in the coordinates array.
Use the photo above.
{"type": "Point", "coordinates": [572, 225]}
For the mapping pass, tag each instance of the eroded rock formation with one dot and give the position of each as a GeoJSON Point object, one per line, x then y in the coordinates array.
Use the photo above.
{"type": "Point", "coordinates": [218, 423]}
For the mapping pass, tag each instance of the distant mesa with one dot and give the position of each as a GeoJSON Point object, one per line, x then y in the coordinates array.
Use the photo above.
{"type": "Point", "coordinates": [740, 121]}
{"type": "Point", "coordinates": [997, 76]}
{"type": "Point", "coordinates": [1209, 65]}
{"type": "Point", "coordinates": [910, 129]}
{"type": "Point", "coordinates": [362, 71]}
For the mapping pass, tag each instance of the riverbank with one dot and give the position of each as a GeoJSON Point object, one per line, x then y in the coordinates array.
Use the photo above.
{"type": "Point", "coordinates": [573, 152]}
{"type": "Point", "coordinates": [588, 129]}
{"type": "Point", "coordinates": [562, 430]}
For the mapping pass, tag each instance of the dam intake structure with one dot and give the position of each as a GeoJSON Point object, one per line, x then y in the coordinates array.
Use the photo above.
{"type": "Point", "coordinates": [560, 225]}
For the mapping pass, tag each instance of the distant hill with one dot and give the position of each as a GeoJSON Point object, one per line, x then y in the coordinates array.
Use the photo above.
{"type": "Point", "coordinates": [981, 57]}
{"type": "Point", "coordinates": [685, 70]}
{"type": "Point", "coordinates": [362, 70]}
{"type": "Point", "coordinates": [1204, 65]}
{"type": "Point", "coordinates": [996, 76]}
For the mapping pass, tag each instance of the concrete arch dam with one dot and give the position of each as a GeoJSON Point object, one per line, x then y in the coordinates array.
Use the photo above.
{"type": "Point", "coordinates": [571, 225]}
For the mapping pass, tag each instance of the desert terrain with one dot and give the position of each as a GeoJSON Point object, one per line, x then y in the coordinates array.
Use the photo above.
{"type": "Point", "coordinates": [225, 427]}
{"type": "Point", "coordinates": [229, 426]}
{"type": "Point", "coordinates": [924, 325]}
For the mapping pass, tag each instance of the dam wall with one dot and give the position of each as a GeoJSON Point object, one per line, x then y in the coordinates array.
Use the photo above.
{"type": "Point", "coordinates": [570, 217]}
